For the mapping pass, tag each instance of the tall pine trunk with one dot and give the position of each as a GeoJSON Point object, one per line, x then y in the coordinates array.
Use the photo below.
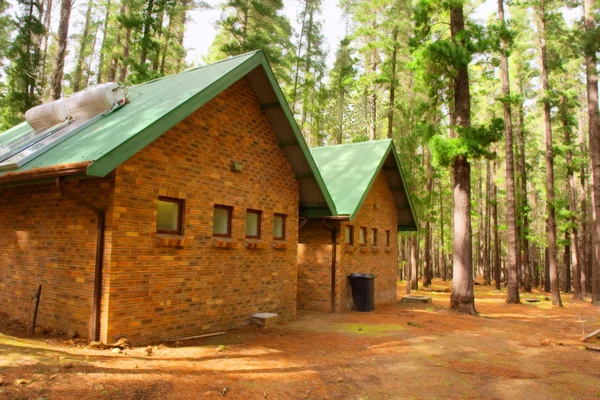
{"type": "Point", "coordinates": [393, 79]}
{"type": "Point", "coordinates": [463, 296]}
{"type": "Point", "coordinates": [427, 270]}
{"type": "Point", "coordinates": [594, 137]}
{"type": "Point", "coordinates": [553, 268]}
{"type": "Point", "coordinates": [61, 49]}
{"type": "Point", "coordinates": [82, 48]}
{"type": "Point", "coordinates": [103, 44]}
{"type": "Point", "coordinates": [496, 234]}
{"type": "Point", "coordinates": [511, 229]}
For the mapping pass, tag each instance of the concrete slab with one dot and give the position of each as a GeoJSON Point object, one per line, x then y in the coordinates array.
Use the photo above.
{"type": "Point", "coordinates": [415, 299]}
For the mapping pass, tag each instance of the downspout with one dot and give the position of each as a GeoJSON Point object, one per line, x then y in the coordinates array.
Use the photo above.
{"type": "Point", "coordinates": [333, 262]}
{"type": "Point", "coordinates": [99, 254]}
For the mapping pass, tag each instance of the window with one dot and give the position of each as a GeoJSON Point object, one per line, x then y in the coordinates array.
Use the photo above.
{"type": "Point", "coordinates": [362, 236]}
{"type": "Point", "coordinates": [373, 237]}
{"type": "Point", "coordinates": [349, 234]}
{"type": "Point", "coordinates": [279, 226]}
{"type": "Point", "coordinates": [222, 221]}
{"type": "Point", "coordinates": [170, 216]}
{"type": "Point", "coordinates": [387, 238]}
{"type": "Point", "coordinates": [253, 222]}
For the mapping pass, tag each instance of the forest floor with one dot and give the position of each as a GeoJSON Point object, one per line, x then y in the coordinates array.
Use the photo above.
{"type": "Point", "coordinates": [402, 351]}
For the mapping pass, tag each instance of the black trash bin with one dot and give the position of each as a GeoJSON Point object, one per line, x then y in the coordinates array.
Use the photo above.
{"type": "Point", "coordinates": [363, 291]}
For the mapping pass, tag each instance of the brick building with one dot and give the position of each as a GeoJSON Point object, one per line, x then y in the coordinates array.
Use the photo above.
{"type": "Point", "coordinates": [372, 202]}
{"type": "Point", "coordinates": [200, 179]}
{"type": "Point", "coordinates": [176, 214]}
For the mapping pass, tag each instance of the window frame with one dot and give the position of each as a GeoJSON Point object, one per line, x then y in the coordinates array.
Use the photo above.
{"type": "Point", "coordinates": [350, 228]}
{"type": "Point", "coordinates": [180, 214]}
{"type": "Point", "coordinates": [387, 238]}
{"type": "Point", "coordinates": [363, 229]}
{"type": "Point", "coordinates": [229, 219]}
{"type": "Point", "coordinates": [259, 223]}
{"type": "Point", "coordinates": [374, 237]}
{"type": "Point", "coordinates": [283, 224]}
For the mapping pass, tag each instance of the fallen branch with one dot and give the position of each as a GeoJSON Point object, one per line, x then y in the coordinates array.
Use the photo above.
{"type": "Point", "coordinates": [591, 335]}
{"type": "Point", "coordinates": [196, 337]}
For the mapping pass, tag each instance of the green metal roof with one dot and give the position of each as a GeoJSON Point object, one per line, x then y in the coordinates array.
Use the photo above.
{"type": "Point", "coordinates": [156, 106]}
{"type": "Point", "coordinates": [349, 171]}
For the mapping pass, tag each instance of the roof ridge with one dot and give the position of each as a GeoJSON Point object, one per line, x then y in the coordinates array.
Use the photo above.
{"type": "Point", "coordinates": [366, 142]}
{"type": "Point", "coordinates": [196, 68]}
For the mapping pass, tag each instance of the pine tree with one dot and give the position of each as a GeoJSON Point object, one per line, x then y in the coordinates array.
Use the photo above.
{"type": "Point", "coordinates": [252, 25]}
{"type": "Point", "coordinates": [63, 34]}
{"type": "Point", "coordinates": [25, 59]}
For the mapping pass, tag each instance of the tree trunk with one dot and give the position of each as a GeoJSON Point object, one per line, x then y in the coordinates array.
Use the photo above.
{"type": "Point", "coordinates": [61, 49]}
{"type": "Point", "coordinates": [47, 20]}
{"type": "Point", "coordinates": [392, 104]}
{"type": "Point", "coordinates": [444, 264]}
{"type": "Point", "coordinates": [511, 229]}
{"type": "Point", "coordinates": [145, 42]}
{"type": "Point", "coordinates": [427, 266]}
{"type": "Point", "coordinates": [414, 264]}
{"type": "Point", "coordinates": [463, 296]}
{"type": "Point", "coordinates": [496, 234]}
{"type": "Point", "coordinates": [82, 48]}
{"type": "Point", "coordinates": [594, 137]}
{"type": "Point", "coordinates": [549, 164]}
{"type": "Point", "coordinates": [103, 45]}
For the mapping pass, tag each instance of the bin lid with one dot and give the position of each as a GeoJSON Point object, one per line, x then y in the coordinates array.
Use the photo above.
{"type": "Point", "coordinates": [361, 276]}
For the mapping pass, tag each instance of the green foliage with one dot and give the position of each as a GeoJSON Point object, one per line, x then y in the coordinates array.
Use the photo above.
{"type": "Point", "coordinates": [471, 142]}
{"type": "Point", "coordinates": [25, 63]}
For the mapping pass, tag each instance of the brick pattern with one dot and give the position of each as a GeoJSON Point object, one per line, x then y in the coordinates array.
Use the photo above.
{"type": "Point", "coordinates": [314, 266]}
{"type": "Point", "coordinates": [314, 254]}
{"type": "Point", "coordinates": [159, 291]}
{"type": "Point", "coordinates": [49, 239]}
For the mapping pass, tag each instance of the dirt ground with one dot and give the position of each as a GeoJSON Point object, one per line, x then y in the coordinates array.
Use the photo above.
{"type": "Point", "coordinates": [402, 351]}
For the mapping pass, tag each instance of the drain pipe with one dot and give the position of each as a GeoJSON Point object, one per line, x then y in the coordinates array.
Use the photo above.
{"type": "Point", "coordinates": [99, 254]}
{"type": "Point", "coordinates": [333, 262]}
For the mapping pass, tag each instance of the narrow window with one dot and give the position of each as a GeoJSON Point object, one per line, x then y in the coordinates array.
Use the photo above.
{"type": "Point", "coordinates": [279, 226]}
{"type": "Point", "coordinates": [222, 221]}
{"type": "Point", "coordinates": [349, 234]}
{"type": "Point", "coordinates": [363, 236]}
{"type": "Point", "coordinates": [373, 237]}
{"type": "Point", "coordinates": [253, 222]}
{"type": "Point", "coordinates": [170, 216]}
{"type": "Point", "coordinates": [387, 238]}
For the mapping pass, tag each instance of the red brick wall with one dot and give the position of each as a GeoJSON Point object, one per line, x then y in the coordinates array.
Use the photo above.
{"type": "Point", "coordinates": [314, 265]}
{"type": "Point", "coordinates": [49, 239]}
{"type": "Point", "coordinates": [314, 255]}
{"type": "Point", "coordinates": [158, 291]}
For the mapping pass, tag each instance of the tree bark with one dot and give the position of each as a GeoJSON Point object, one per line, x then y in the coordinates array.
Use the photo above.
{"type": "Point", "coordinates": [463, 296]}
{"type": "Point", "coordinates": [414, 264]}
{"type": "Point", "coordinates": [392, 104]}
{"type": "Point", "coordinates": [444, 264]}
{"type": "Point", "coordinates": [145, 42]}
{"type": "Point", "coordinates": [103, 45]}
{"type": "Point", "coordinates": [429, 187]}
{"type": "Point", "coordinates": [496, 235]}
{"type": "Point", "coordinates": [82, 48]}
{"type": "Point", "coordinates": [553, 269]}
{"type": "Point", "coordinates": [61, 49]}
{"type": "Point", "coordinates": [511, 229]}
{"type": "Point", "coordinates": [594, 138]}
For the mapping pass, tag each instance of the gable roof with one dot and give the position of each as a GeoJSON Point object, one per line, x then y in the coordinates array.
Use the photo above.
{"type": "Point", "coordinates": [156, 106]}
{"type": "Point", "coordinates": [349, 171]}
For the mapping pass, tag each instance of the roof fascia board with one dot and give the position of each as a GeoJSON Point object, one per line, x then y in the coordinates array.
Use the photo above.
{"type": "Point", "coordinates": [406, 191]}
{"type": "Point", "coordinates": [121, 153]}
{"type": "Point", "coordinates": [288, 114]}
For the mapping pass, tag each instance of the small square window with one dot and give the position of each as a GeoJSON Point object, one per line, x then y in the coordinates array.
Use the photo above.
{"type": "Point", "coordinates": [279, 226]}
{"type": "Point", "coordinates": [349, 234]}
{"type": "Point", "coordinates": [374, 237]}
{"type": "Point", "coordinates": [387, 238]}
{"type": "Point", "coordinates": [253, 222]}
{"type": "Point", "coordinates": [222, 221]}
{"type": "Point", "coordinates": [170, 216]}
{"type": "Point", "coordinates": [362, 237]}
